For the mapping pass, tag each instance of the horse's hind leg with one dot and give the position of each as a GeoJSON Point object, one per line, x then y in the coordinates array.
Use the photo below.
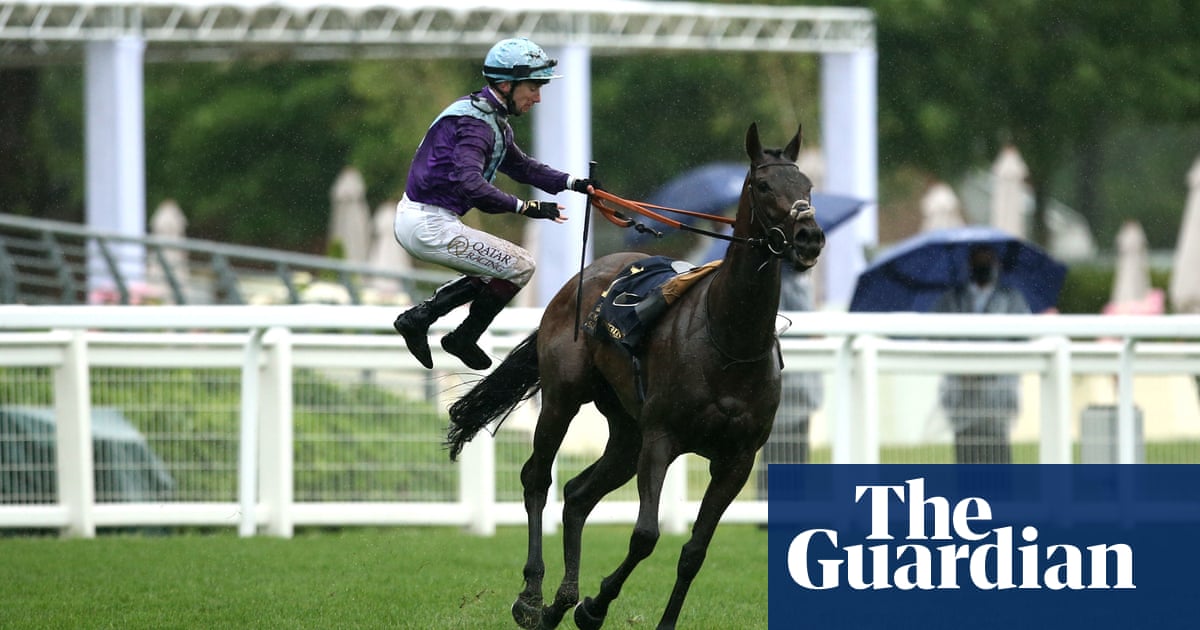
{"type": "Point", "coordinates": [656, 454]}
{"type": "Point", "coordinates": [728, 478]}
{"type": "Point", "coordinates": [581, 494]}
{"type": "Point", "coordinates": [551, 428]}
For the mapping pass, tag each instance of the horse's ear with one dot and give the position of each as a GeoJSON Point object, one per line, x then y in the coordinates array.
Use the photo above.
{"type": "Point", "coordinates": [753, 145]}
{"type": "Point", "coordinates": [792, 150]}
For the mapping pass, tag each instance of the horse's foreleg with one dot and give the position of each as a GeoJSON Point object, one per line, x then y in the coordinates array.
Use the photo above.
{"type": "Point", "coordinates": [656, 454]}
{"type": "Point", "coordinates": [728, 478]}
{"type": "Point", "coordinates": [536, 478]}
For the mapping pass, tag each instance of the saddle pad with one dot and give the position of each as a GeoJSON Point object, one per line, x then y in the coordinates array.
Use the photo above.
{"type": "Point", "coordinates": [677, 286]}
{"type": "Point", "coordinates": [638, 296]}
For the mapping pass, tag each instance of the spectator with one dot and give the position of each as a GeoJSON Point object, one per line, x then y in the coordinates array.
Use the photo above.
{"type": "Point", "coordinates": [982, 408]}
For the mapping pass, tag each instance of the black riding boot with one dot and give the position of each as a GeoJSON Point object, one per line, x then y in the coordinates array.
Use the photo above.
{"type": "Point", "coordinates": [415, 322]}
{"type": "Point", "coordinates": [461, 341]}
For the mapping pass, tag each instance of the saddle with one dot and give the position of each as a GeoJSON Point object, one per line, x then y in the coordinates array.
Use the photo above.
{"type": "Point", "coordinates": [636, 299]}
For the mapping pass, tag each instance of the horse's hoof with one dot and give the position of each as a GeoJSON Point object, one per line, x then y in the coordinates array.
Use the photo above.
{"type": "Point", "coordinates": [584, 619]}
{"type": "Point", "coordinates": [526, 615]}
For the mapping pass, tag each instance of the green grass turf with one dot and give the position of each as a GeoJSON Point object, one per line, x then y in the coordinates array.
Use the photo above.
{"type": "Point", "coordinates": [356, 578]}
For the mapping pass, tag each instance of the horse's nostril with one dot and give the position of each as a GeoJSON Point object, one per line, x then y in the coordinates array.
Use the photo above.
{"type": "Point", "coordinates": [811, 232]}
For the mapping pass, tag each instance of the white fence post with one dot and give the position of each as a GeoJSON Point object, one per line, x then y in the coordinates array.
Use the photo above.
{"type": "Point", "coordinates": [866, 391]}
{"type": "Point", "coordinates": [552, 513]}
{"type": "Point", "coordinates": [843, 382]}
{"type": "Point", "coordinates": [1126, 432]}
{"type": "Point", "coordinates": [276, 462]}
{"type": "Point", "coordinates": [74, 455]}
{"type": "Point", "coordinates": [1055, 445]}
{"type": "Point", "coordinates": [673, 502]}
{"type": "Point", "coordinates": [248, 453]}
{"type": "Point", "coordinates": [477, 484]}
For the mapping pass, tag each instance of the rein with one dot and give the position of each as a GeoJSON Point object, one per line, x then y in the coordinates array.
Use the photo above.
{"type": "Point", "coordinates": [776, 241]}
{"type": "Point", "coordinates": [610, 206]}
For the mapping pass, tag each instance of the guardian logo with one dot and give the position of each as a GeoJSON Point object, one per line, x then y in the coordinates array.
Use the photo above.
{"type": "Point", "coordinates": [968, 550]}
{"type": "Point", "coordinates": [983, 546]}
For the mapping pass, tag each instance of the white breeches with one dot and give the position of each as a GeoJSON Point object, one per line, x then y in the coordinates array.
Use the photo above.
{"type": "Point", "coordinates": [437, 235]}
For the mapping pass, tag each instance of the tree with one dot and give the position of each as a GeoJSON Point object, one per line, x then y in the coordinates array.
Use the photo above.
{"type": "Point", "coordinates": [249, 149]}
{"type": "Point", "coordinates": [18, 177]}
{"type": "Point", "coordinates": [1054, 77]}
{"type": "Point", "coordinates": [41, 142]}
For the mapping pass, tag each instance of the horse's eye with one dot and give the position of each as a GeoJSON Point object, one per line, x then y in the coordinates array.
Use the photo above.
{"type": "Point", "coordinates": [763, 187]}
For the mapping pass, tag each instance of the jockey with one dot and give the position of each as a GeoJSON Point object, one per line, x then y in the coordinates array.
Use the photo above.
{"type": "Point", "coordinates": [452, 172]}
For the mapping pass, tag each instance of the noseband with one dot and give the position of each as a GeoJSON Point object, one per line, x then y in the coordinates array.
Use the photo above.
{"type": "Point", "coordinates": [777, 241]}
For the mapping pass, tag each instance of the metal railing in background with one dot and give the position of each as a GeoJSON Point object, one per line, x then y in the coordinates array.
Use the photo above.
{"type": "Point", "coordinates": [265, 420]}
{"type": "Point", "coordinates": [33, 30]}
{"type": "Point", "coordinates": [51, 262]}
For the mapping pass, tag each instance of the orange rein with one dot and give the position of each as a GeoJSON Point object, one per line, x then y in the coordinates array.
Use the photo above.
{"type": "Point", "coordinates": [604, 201]}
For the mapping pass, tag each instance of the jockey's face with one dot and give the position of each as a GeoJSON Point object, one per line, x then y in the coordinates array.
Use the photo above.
{"type": "Point", "coordinates": [525, 94]}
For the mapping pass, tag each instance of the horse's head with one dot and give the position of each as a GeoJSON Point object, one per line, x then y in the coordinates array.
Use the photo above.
{"type": "Point", "coordinates": [780, 202]}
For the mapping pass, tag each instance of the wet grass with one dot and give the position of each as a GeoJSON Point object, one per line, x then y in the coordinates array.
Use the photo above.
{"type": "Point", "coordinates": [355, 578]}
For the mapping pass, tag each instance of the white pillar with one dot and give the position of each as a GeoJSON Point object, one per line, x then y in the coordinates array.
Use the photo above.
{"type": "Point", "coordinates": [849, 137]}
{"type": "Point", "coordinates": [115, 163]}
{"type": "Point", "coordinates": [562, 138]}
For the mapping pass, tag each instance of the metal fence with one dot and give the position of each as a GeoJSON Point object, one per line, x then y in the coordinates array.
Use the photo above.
{"type": "Point", "coordinates": [265, 419]}
{"type": "Point", "coordinates": [52, 262]}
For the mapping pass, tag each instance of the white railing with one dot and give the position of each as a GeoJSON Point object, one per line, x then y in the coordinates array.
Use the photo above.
{"type": "Point", "coordinates": [856, 353]}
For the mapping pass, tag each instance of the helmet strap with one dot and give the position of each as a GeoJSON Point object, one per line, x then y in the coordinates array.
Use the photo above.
{"type": "Point", "coordinates": [509, 103]}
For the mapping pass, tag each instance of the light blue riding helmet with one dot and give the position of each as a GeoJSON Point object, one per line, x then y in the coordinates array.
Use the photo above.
{"type": "Point", "coordinates": [518, 59]}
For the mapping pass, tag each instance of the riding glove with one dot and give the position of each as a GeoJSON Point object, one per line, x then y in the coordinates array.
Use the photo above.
{"type": "Point", "coordinates": [535, 209]}
{"type": "Point", "coordinates": [580, 184]}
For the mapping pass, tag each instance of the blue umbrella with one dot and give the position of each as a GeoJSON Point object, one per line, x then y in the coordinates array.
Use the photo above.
{"type": "Point", "coordinates": [911, 275]}
{"type": "Point", "coordinates": [713, 188]}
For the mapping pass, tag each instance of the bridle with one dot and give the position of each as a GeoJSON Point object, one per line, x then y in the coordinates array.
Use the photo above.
{"type": "Point", "coordinates": [776, 241]}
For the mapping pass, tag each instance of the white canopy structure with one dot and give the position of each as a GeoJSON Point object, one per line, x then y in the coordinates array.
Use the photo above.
{"type": "Point", "coordinates": [116, 37]}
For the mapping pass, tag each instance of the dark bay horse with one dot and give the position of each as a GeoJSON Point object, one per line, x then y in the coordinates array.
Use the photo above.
{"type": "Point", "coordinates": [711, 386]}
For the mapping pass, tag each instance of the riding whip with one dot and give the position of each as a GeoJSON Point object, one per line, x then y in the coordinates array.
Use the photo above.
{"type": "Point", "coordinates": [587, 223]}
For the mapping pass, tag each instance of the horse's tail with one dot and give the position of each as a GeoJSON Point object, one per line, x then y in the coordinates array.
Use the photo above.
{"type": "Point", "coordinates": [515, 380]}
